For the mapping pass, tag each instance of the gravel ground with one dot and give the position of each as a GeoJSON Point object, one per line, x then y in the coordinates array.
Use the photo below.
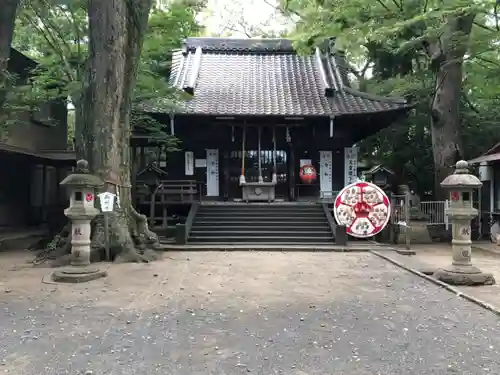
{"type": "Point", "coordinates": [244, 313]}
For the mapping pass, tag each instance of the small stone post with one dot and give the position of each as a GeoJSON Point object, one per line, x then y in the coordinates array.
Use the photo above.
{"type": "Point", "coordinates": [461, 186]}
{"type": "Point", "coordinates": [81, 211]}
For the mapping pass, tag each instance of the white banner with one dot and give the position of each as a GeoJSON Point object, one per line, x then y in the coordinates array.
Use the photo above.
{"type": "Point", "coordinates": [212, 172]}
{"type": "Point", "coordinates": [189, 161]}
{"type": "Point", "coordinates": [325, 173]}
{"type": "Point", "coordinates": [350, 165]}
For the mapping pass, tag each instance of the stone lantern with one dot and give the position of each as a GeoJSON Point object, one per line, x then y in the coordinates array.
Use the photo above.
{"type": "Point", "coordinates": [461, 186]}
{"type": "Point", "coordinates": [82, 189]}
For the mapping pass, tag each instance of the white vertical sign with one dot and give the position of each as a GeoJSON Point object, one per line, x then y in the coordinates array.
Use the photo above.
{"type": "Point", "coordinates": [107, 201]}
{"type": "Point", "coordinates": [212, 172]}
{"type": "Point", "coordinates": [325, 174]}
{"type": "Point", "coordinates": [350, 165]}
{"type": "Point", "coordinates": [189, 163]}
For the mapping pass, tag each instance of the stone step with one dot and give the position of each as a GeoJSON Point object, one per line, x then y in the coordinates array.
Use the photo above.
{"type": "Point", "coordinates": [259, 227]}
{"type": "Point", "coordinates": [261, 214]}
{"type": "Point", "coordinates": [261, 223]}
{"type": "Point", "coordinates": [260, 208]}
{"type": "Point", "coordinates": [253, 222]}
{"type": "Point", "coordinates": [262, 246]}
{"type": "Point", "coordinates": [263, 233]}
{"type": "Point", "coordinates": [258, 239]}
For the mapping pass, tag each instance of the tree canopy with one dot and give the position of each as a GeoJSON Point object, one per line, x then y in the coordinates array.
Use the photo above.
{"type": "Point", "coordinates": [395, 48]}
{"type": "Point", "coordinates": [55, 34]}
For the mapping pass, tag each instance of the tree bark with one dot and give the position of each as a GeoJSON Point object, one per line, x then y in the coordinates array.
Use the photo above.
{"type": "Point", "coordinates": [102, 129]}
{"type": "Point", "coordinates": [447, 54]}
{"type": "Point", "coordinates": [7, 24]}
{"type": "Point", "coordinates": [102, 134]}
{"type": "Point", "coordinates": [116, 32]}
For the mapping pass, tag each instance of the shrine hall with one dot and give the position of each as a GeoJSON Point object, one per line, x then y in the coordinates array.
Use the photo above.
{"type": "Point", "coordinates": [262, 126]}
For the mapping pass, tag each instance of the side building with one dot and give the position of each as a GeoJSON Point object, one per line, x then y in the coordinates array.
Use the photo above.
{"type": "Point", "coordinates": [33, 160]}
{"type": "Point", "coordinates": [489, 173]}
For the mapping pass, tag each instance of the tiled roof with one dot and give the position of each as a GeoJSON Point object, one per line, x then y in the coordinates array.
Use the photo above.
{"type": "Point", "coordinates": [230, 77]}
{"type": "Point", "coordinates": [493, 154]}
{"type": "Point", "coordinates": [495, 149]}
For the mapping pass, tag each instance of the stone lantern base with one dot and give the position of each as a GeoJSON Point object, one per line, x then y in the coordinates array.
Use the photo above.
{"type": "Point", "coordinates": [468, 275]}
{"type": "Point", "coordinates": [78, 274]}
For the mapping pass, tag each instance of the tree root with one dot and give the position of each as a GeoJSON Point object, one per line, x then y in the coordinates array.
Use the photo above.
{"type": "Point", "coordinates": [130, 240]}
{"type": "Point", "coordinates": [58, 247]}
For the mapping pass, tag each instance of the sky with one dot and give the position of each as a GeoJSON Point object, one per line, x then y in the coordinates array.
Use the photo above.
{"type": "Point", "coordinates": [237, 16]}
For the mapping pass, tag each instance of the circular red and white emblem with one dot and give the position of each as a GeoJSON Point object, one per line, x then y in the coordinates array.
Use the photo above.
{"type": "Point", "coordinates": [363, 208]}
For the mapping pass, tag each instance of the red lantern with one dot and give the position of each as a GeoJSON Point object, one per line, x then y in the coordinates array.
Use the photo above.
{"type": "Point", "coordinates": [307, 174]}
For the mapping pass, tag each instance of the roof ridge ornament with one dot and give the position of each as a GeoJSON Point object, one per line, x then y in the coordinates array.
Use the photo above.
{"type": "Point", "coordinates": [189, 88]}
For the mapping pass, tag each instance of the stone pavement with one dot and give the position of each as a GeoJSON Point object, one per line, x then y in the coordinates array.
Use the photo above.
{"type": "Point", "coordinates": [439, 255]}
{"type": "Point", "coordinates": [243, 313]}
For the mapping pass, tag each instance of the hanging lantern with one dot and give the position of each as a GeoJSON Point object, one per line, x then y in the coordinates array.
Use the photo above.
{"type": "Point", "coordinates": [307, 174]}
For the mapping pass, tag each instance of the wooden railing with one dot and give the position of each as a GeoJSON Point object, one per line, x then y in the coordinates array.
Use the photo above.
{"type": "Point", "coordinates": [168, 192]}
{"type": "Point", "coordinates": [338, 231]}
{"type": "Point", "coordinates": [182, 230]}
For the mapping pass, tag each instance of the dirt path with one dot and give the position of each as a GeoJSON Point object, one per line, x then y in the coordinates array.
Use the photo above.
{"type": "Point", "coordinates": [239, 313]}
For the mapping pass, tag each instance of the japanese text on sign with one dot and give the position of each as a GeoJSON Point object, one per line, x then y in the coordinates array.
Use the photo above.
{"type": "Point", "coordinates": [350, 165]}
{"type": "Point", "coordinates": [107, 201]}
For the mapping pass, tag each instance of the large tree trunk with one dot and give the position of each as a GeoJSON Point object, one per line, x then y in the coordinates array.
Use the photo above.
{"type": "Point", "coordinates": [8, 9]}
{"type": "Point", "coordinates": [102, 136]}
{"type": "Point", "coordinates": [116, 31]}
{"type": "Point", "coordinates": [447, 56]}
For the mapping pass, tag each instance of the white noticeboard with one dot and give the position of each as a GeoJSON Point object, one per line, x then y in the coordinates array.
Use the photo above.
{"type": "Point", "coordinates": [305, 162]}
{"type": "Point", "coordinates": [200, 163]}
{"type": "Point", "coordinates": [107, 201]}
{"type": "Point", "coordinates": [350, 165]}
{"type": "Point", "coordinates": [189, 162]}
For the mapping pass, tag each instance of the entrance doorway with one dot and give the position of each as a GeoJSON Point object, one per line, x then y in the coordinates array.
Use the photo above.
{"type": "Point", "coordinates": [252, 170]}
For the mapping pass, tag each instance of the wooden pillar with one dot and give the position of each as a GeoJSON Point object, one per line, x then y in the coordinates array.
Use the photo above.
{"type": "Point", "coordinates": [291, 166]}
{"type": "Point", "coordinates": [143, 158]}
{"type": "Point", "coordinates": [259, 135]}
{"type": "Point", "coordinates": [164, 212]}
{"type": "Point", "coordinates": [315, 160]}
{"type": "Point", "coordinates": [274, 175]}
{"type": "Point", "coordinates": [226, 174]}
{"type": "Point", "coordinates": [133, 174]}
{"type": "Point", "coordinates": [44, 194]}
{"type": "Point", "coordinates": [243, 145]}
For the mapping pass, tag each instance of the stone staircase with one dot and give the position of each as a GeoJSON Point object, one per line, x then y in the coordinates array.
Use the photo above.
{"type": "Point", "coordinates": [273, 224]}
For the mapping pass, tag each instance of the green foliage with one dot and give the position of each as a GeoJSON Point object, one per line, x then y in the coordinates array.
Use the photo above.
{"type": "Point", "coordinates": [15, 95]}
{"type": "Point", "coordinates": [55, 34]}
{"type": "Point", "coordinates": [387, 42]}
{"type": "Point", "coordinates": [166, 30]}
{"type": "Point", "coordinates": [146, 124]}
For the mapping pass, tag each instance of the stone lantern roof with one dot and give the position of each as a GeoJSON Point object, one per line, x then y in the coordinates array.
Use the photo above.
{"type": "Point", "coordinates": [461, 178]}
{"type": "Point", "coordinates": [82, 177]}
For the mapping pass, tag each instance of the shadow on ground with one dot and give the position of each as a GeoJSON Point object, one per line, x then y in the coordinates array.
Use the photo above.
{"type": "Point", "coordinates": [244, 313]}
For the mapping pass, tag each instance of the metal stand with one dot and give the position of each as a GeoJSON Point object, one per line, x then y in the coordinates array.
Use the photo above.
{"type": "Point", "coordinates": [106, 236]}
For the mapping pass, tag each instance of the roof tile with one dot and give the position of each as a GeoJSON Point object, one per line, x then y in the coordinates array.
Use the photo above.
{"type": "Point", "coordinates": [266, 77]}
